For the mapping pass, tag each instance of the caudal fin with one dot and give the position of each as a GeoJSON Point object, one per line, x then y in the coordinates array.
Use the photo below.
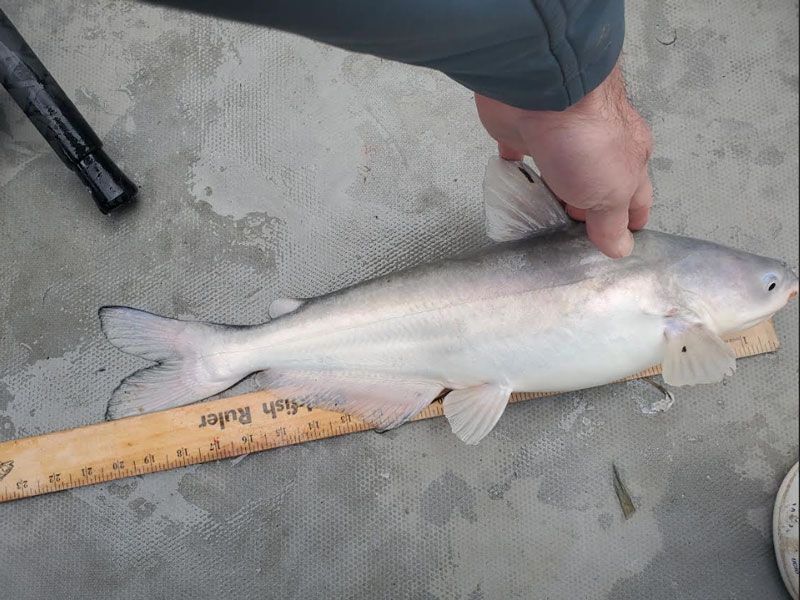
{"type": "Point", "coordinates": [186, 371]}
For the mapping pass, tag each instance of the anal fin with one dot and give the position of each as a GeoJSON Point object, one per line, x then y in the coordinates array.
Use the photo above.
{"type": "Point", "coordinates": [383, 401]}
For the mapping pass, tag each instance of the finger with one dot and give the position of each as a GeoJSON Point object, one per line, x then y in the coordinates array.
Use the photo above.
{"type": "Point", "coordinates": [608, 229]}
{"type": "Point", "coordinates": [508, 152]}
{"type": "Point", "coordinates": [642, 201]}
{"type": "Point", "coordinates": [577, 214]}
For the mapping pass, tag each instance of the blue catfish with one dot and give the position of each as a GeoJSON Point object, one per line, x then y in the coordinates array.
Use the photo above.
{"type": "Point", "coordinates": [542, 310]}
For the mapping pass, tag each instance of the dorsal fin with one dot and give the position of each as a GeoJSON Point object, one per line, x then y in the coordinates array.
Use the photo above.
{"type": "Point", "coordinates": [517, 202]}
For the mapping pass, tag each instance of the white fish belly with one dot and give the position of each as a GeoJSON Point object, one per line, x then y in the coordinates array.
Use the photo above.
{"type": "Point", "coordinates": [587, 354]}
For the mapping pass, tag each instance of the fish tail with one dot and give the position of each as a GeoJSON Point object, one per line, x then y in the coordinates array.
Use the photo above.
{"type": "Point", "coordinates": [189, 367]}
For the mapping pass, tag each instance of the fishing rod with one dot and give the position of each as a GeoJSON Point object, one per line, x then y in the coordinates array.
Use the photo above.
{"type": "Point", "coordinates": [43, 101]}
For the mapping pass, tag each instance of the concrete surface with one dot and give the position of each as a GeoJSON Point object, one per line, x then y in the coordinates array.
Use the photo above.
{"type": "Point", "coordinates": [272, 166]}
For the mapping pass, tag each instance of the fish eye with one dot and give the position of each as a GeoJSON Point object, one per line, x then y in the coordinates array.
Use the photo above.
{"type": "Point", "coordinates": [770, 281]}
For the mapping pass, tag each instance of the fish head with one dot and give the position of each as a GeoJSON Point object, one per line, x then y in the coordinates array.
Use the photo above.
{"type": "Point", "coordinates": [736, 289]}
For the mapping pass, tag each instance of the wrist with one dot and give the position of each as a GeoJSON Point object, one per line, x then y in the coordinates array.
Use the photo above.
{"type": "Point", "coordinates": [606, 100]}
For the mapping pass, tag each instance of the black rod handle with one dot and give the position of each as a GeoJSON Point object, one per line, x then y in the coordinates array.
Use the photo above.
{"type": "Point", "coordinates": [59, 121]}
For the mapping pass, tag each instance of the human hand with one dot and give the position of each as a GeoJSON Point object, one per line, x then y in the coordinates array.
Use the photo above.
{"type": "Point", "coordinates": [593, 156]}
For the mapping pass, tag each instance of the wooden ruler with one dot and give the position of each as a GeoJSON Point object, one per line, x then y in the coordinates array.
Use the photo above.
{"type": "Point", "coordinates": [205, 432]}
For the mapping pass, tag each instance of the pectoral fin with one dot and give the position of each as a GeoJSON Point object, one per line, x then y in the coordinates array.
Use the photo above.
{"type": "Point", "coordinates": [517, 202]}
{"type": "Point", "coordinates": [695, 354]}
{"type": "Point", "coordinates": [473, 412]}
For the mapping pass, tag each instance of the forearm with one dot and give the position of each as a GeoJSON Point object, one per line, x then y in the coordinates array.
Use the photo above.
{"type": "Point", "coordinates": [532, 54]}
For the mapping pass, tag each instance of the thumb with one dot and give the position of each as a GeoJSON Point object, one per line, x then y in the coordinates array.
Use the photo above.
{"type": "Point", "coordinates": [509, 152]}
{"type": "Point", "coordinates": [608, 230]}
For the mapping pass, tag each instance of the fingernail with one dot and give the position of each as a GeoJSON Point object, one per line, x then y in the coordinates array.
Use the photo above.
{"type": "Point", "coordinates": [624, 245]}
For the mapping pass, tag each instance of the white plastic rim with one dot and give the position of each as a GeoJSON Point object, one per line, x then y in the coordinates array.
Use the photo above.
{"type": "Point", "coordinates": [785, 531]}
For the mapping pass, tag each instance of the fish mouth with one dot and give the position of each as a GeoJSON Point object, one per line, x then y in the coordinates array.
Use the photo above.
{"type": "Point", "coordinates": [793, 288]}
